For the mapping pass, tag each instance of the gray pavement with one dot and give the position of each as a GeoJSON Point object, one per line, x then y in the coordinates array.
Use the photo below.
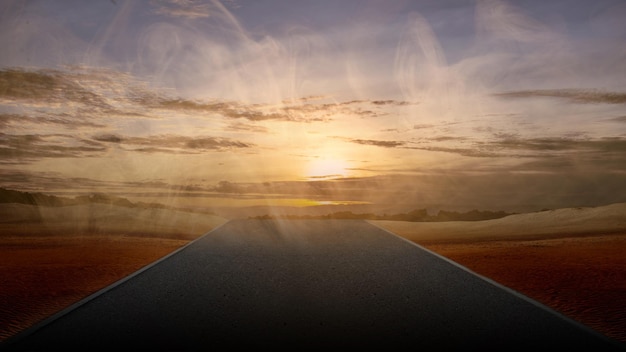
{"type": "Point", "coordinates": [307, 284]}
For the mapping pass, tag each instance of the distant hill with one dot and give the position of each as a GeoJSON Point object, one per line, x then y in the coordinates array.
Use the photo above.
{"type": "Point", "coordinates": [420, 215]}
{"type": "Point", "coordinates": [40, 199]}
{"type": "Point", "coordinates": [12, 196]}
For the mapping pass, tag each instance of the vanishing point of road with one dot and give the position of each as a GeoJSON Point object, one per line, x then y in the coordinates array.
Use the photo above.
{"type": "Point", "coordinates": [302, 284]}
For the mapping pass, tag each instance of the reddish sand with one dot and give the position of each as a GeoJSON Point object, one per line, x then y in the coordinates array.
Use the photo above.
{"type": "Point", "coordinates": [43, 275]}
{"type": "Point", "coordinates": [582, 277]}
{"type": "Point", "coordinates": [52, 257]}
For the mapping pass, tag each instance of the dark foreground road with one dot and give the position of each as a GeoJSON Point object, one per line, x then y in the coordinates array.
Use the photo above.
{"type": "Point", "coordinates": [307, 284]}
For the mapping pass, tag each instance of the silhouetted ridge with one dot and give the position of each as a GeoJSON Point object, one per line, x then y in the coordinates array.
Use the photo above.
{"type": "Point", "coordinates": [13, 196]}
{"type": "Point", "coordinates": [414, 215]}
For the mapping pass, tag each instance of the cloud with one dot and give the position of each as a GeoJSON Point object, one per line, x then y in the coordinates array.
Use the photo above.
{"type": "Point", "coordinates": [7, 119]}
{"type": "Point", "coordinates": [182, 8]}
{"type": "Point", "coordinates": [619, 119]}
{"type": "Point", "coordinates": [585, 163]}
{"type": "Point", "coordinates": [536, 144]}
{"type": "Point", "coordinates": [77, 95]}
{"type": "Point", "coordinates": [446, 138]}
{"type": "Point", "coordinates": [390, 102]}
{"type": "Point", "coordinates": [378, 143]}
{"type": "Point", "coordinates": [27, 122]}
{"type": "Point", "coordinates": [36, 181]}
{"type": "Point", "coordinates": [573, 95]}
{"type": "Point", "coordinates": [298, 112]}
{"type": "Point", "coordinates": [232, 110]}
{"type": "Point", "coordinates": [228, 187]}
{"type": "Point", "coordinates": [50, 86]}
{"type": "Point", "coordinates": [214, 143]}
{"type": "Point", "coordinates": [471, 152]}
{"type": "Point", "coordinates": [510, 145]}
{"type": "Point", "coordinates": [173, 143]}
{"type": "Point", "coordinates": [311, 98]}
{"type": "Point", "coordinates": [30, 147]}
{"type": "Point", "coordinates": [62, 119]}
{"type": "Point", "coordinates": [112, 138]}
{"type": "Point", "coordinates": [562, 144]}
{"type": "Point", "coordinates": [243, 127]}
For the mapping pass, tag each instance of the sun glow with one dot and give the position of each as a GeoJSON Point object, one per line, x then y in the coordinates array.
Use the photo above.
{"type": "Point", "coordinates": [322, 169]}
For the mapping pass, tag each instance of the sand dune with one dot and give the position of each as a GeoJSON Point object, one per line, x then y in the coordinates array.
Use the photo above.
{"type": "Point", "coordinates": [545, 224]}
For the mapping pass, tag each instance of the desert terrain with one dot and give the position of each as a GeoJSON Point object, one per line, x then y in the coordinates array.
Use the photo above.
{"type": "Point", "coordinates": [571, 260]}
{"type": "Point", "coordinates": [53, 257]}
{"type": "Point", "coordinates": [568, 259]}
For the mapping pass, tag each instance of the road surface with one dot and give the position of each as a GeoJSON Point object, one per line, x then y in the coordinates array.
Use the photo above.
{"type": "Point", "coordinates": [307, 284]}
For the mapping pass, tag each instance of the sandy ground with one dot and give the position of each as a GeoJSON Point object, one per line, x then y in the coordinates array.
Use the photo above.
{"type": "Point", "coordinates": [581, 277]}
{"type": "Point", "coordinates": [573, 263]}
{"type": "Point", "coordinates": [43, 275]}
{"type": "Point", "coordinates": [52, 257]}
{"type": "Point", "coordinates": [571, 260]}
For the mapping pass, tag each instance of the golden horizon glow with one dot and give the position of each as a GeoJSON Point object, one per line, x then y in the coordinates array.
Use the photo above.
{"type": "Point", "coordinates": [327, 169]}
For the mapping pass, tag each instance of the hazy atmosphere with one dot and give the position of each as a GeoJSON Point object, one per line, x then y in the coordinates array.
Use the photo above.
{"type": "Point", "coordinates": [460, 105]}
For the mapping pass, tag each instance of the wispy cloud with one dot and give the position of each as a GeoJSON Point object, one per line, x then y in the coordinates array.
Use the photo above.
{"type": "Point", "coordinates": [296, 112]}
{"type": "Point", "coordinates": [182, 8]}
{"type": "Point", "coordinates": [511, 145]}
{"type": "Point", "coordinates": [6, 119]}
{"type": "Point", "coordinates": [379, 143]}
{"type": "Point", "coordinates": [504, 145]}
{"type": "Point", "coordinates": [574, 95]}
{"type": "Point", "coordinates": [93, 93]}
{"type": "Point", "coordinates": [110, 138]}
{"type": "Point", "coordinates": [49, 181]}
{"type": "Point", "coordinates": [26, 148]}
{"type": "Point", "coordinates": [468, 151]}
{"type": "Point", "coordinates": [75, 96]}
{"type": "Point", "coordinates": [21, 120]}
{"type": "Point", "coordinates": [619, 119]}
{"type": "Point", "coordinates": [390, 102]}
{"type": "Point", "coordinates": [173, 143]}
{"type": "Point", "coordinates": [561, 144]}
{"type": "Point", "coordinates": [447, 138]}
{"type": "Point", "coordinates": [244, 127]}
{"type": "Point", "coordinates": [51, 86]}
{"type": "Point", "coordinates": [422, 126]}
{"type": "Point", "coordinates": [78, 101]}
{"type": "Point", "coordinates": [228, 109]}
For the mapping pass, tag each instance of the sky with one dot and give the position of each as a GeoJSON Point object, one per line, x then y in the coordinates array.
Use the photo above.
{"type": "Point", "coordinates": [455, 104]}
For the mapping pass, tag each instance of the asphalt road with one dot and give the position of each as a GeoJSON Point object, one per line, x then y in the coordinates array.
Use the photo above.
{"type": "Point", "coordinates": [307, 284]}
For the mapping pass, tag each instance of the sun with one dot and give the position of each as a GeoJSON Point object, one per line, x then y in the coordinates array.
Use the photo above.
{"type": "Point", "coordinates": [320, 169]}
